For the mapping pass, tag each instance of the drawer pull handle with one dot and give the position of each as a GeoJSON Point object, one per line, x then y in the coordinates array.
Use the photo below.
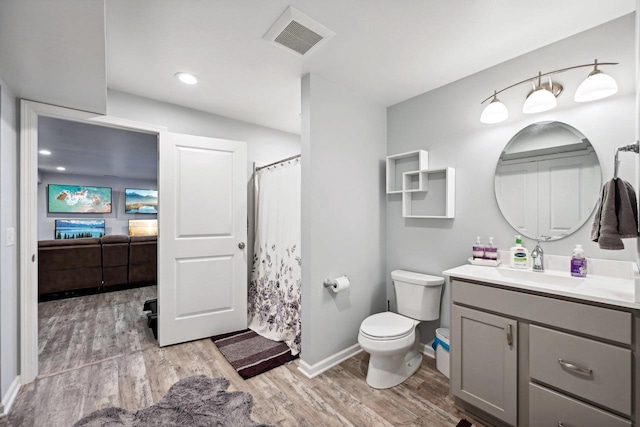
{"type": "Point", "coordinates": [509, 336]}
{"type": "Point", "coordinates": [575, 368]}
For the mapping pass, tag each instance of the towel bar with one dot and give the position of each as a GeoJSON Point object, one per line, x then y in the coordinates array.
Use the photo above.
{"type": "Point", "coordinates": [631, 147]}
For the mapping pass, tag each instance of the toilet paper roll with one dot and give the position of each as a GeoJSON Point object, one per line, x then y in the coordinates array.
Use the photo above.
{"type": "Point", "coordinates": [340, 284]}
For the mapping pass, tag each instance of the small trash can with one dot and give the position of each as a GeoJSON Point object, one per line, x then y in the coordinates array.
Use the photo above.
{"type": "Point", "coordinates": [441, 346]}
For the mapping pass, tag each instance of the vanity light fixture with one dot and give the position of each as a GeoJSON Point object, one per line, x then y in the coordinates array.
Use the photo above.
{"type": "Point", "coordinates": [186, 78]}
{"type": "Point", "coordinates": [543, 96]}
{"type": "Point", "coordinates": [598, 85]}
{"type": "Point", "coordinates": [495, 112]}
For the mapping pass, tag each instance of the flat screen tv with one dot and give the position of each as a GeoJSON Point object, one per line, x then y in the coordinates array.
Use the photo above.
{"type": "Point", "coordinates": [79, 199]}
{"type": "Point", "coordinates": [137, 201]}
{"type": "Point", "coordinates": [143, 227]}
{"type": "Point", "coordinates": [79, 228]}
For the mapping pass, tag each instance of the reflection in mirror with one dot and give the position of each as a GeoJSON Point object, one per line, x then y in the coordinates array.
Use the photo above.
{"type": "Point", "coordinates": [548, 180]}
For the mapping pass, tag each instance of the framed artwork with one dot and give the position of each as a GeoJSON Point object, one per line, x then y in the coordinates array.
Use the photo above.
{"type": "Point", "coordinates": [143, 227]}
{"type": "Point", "coordinates": [78, 199]}
{"type": "Point", "coordinates": [79, 228]}
{"type": "Point", "coordinates": [138, 201]}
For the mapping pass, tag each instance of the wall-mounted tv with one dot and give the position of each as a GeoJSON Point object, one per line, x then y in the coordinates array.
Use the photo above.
{"type": "Point", "coordinates": [143, 227]}
{"type": "Point", "coordinates": [138, 201]}
{"type": "Point", "coordinates": [79, 228]}
{"type": "Point", "coordinates": [79, 199]}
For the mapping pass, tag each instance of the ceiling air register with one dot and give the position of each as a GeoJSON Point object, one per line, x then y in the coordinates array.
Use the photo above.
{"type": "Point", "coordinates": [297, 33]}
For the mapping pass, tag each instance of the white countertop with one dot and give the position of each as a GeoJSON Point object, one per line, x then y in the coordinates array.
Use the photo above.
{"type": "Point", "coordinates": [616, 291]}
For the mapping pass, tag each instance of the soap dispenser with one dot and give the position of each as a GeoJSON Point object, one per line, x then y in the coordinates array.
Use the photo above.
{"type": "Point", "coordinates": [490, 251]}
{"type": "Point", "coordinates": [578, 262]}
{"type": "Point", "coordinates": [478, 249]}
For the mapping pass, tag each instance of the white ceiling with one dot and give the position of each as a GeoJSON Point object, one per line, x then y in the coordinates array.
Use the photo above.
{"type": "Point", "coordinates": [54, 52]}
{"type": "Point", "coordinates": [85, 149]}
{"type": "Point", "coordinates": [386, 50]}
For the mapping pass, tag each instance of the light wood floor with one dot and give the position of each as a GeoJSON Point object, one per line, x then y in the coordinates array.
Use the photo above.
{"type": "Point", "coordinates": [96, 352]}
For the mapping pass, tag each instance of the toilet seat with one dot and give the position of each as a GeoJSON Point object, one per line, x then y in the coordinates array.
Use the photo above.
{"type": "Point", "coordinates": [387, 326]}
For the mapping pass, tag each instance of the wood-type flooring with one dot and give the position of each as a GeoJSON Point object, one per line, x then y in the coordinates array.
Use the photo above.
{"type": "Point", "coordinates": [96, 352]}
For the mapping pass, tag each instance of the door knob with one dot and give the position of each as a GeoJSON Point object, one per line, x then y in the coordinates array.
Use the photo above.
{"type": "Point", "coordinates": [241, 245]}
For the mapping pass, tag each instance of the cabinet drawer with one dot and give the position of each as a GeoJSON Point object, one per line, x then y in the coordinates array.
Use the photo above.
{"type": "Point", "coordinates": [550, 409]}
{"type": "Point", "coordinates": [583, 318]}
{"type": "Point", "coordinates": [556, 358]}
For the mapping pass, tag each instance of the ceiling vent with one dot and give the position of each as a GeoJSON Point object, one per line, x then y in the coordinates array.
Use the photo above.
{"type": "Point", "coordinates": [297, 33]}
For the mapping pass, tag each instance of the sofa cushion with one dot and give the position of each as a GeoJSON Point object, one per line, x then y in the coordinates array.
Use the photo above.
{"type": "Point", "coordinates": [115, 238]}
{"type": "Point", "coordinates": [69, 242]}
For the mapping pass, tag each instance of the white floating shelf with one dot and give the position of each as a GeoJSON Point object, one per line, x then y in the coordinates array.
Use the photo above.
{"type": "Point", "coordinates": [399, 164]}
{"type": "Point", "coordinates": [445, 191]}
{"type": "Point", "coordinates": [409, 174]}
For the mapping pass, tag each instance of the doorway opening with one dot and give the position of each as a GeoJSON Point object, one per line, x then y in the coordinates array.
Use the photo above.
{"type": "Point", "coordinates": [97, 206]}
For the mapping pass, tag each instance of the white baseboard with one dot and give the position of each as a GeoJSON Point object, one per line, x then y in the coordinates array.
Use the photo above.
{"type": "Point", "coordinates": [316, 369]}
{"type": "Point", "coordinates": [10, 396]}
{"type": "Point", "coordinates": [427, 350]}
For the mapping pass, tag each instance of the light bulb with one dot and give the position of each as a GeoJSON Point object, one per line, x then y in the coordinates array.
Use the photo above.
{"type": "Point", "coordinates": [597, 86]}
{"type": "Point", "coordinates": [495, 112]}
{"type": "Point", "coordinates": [539, 100]}
{"type": "Point", "coordinates": [186, 78]}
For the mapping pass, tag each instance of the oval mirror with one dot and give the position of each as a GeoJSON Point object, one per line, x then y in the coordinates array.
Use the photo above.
{"type": "Point", "coordinates": [548, 180]}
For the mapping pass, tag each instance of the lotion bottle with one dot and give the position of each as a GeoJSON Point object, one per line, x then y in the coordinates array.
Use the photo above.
{"type": "Point", "coordinates": [519, 255]}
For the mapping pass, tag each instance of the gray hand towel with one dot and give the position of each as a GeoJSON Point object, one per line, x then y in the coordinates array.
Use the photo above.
{"type": "Point", "coordinates": [616, 215]}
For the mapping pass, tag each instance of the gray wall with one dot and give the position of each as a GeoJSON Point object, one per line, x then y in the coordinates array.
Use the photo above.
{"type": "Point", "coordinates": [343, 219]}
{"type": "Point", "coordinates": [263, 144]}
{"type": "Point", "coordinates": [446, 122]}
{"type": "Point", "coordinates": [117, 222]}
{"type": "Point", "coordinates": [8, 254]}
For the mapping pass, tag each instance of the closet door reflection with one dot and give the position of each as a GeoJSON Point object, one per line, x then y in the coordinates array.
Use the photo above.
{"type": "Point", "coordinates": [568, 193]}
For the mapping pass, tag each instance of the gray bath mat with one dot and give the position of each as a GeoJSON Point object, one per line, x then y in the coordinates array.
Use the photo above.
{"type": "Point", "coordinates": [193, 401]}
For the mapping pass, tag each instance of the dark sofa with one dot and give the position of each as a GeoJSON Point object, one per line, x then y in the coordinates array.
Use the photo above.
{"type": "Point", "coordinates": [115, 260]}
{"type": "Point", "coordinates": [69, 264]}
{"type": "Point", "coordinates": [143, 260]}
{"type": "Point", "coordinates": [112, 261]}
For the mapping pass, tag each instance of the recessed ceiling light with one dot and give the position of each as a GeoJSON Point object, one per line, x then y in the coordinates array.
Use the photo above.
{"type": "Point", "coordinates": [61, 168]}
{"type": "Point", "coordinates": [186, 78]}
{"type": "Point", "coordinates": [45, 152]}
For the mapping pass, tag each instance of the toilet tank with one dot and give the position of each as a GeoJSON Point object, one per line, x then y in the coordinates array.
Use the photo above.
{"type": "Point", "coordinates": [417, 294]}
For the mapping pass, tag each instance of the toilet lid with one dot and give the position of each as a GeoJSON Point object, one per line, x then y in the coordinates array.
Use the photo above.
{"type": "Point", "coordinates": [387, 325]}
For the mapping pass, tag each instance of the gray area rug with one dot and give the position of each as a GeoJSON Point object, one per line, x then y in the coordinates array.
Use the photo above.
{"type": "Point", "coordinates": [193, 401]}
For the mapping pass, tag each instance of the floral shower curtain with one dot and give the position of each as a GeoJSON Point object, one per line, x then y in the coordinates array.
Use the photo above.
{"type": "Point", "coordinates": [274, 290]}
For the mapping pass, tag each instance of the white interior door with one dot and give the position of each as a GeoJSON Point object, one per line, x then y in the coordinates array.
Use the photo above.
{"type": "Point", "coordinates": [517, 193]}
{"type": "Point", "coordinates": [568, 191]}
{"type": "Point", "coordinates": [202, 263]}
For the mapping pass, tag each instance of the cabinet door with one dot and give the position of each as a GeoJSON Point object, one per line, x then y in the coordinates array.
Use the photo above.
{"type": "Point", "coordinates": [484, 349]}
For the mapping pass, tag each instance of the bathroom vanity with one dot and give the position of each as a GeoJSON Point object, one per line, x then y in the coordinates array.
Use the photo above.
{"type": "Point", "coordinates": [546, 349]}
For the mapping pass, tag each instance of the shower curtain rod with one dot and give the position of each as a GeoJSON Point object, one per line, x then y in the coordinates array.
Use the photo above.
{"type": "Point", "coordinates": [279, 161]}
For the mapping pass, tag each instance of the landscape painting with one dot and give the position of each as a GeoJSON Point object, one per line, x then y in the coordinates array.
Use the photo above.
{"type": "Point", "coordinates": [79, 199]}
{"type": "Point", "coordinates": [138, 201]}
{"type": "Point", "coordinates": [79, 228]}
{"type": "Point", "coordinates": [143, 227]}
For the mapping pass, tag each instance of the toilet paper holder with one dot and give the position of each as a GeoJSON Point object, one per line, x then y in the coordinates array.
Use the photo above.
{"type": "Point", "coordinates": [330, 282]}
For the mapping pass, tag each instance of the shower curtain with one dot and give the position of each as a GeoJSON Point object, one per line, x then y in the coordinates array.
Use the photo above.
{"type": "Point", "coordinates": [274, 290]}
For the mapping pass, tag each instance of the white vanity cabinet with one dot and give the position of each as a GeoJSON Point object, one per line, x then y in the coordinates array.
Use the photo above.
{"type": "Point", "coordinates": [522, 358]}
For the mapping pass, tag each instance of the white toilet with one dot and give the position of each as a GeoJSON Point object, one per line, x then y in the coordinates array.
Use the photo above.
{"type": "Point", "coordinates": [391, 338]}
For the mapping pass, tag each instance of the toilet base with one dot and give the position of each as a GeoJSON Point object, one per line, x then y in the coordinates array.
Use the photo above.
{"type": "Point", "coordinates": [389, 371]}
